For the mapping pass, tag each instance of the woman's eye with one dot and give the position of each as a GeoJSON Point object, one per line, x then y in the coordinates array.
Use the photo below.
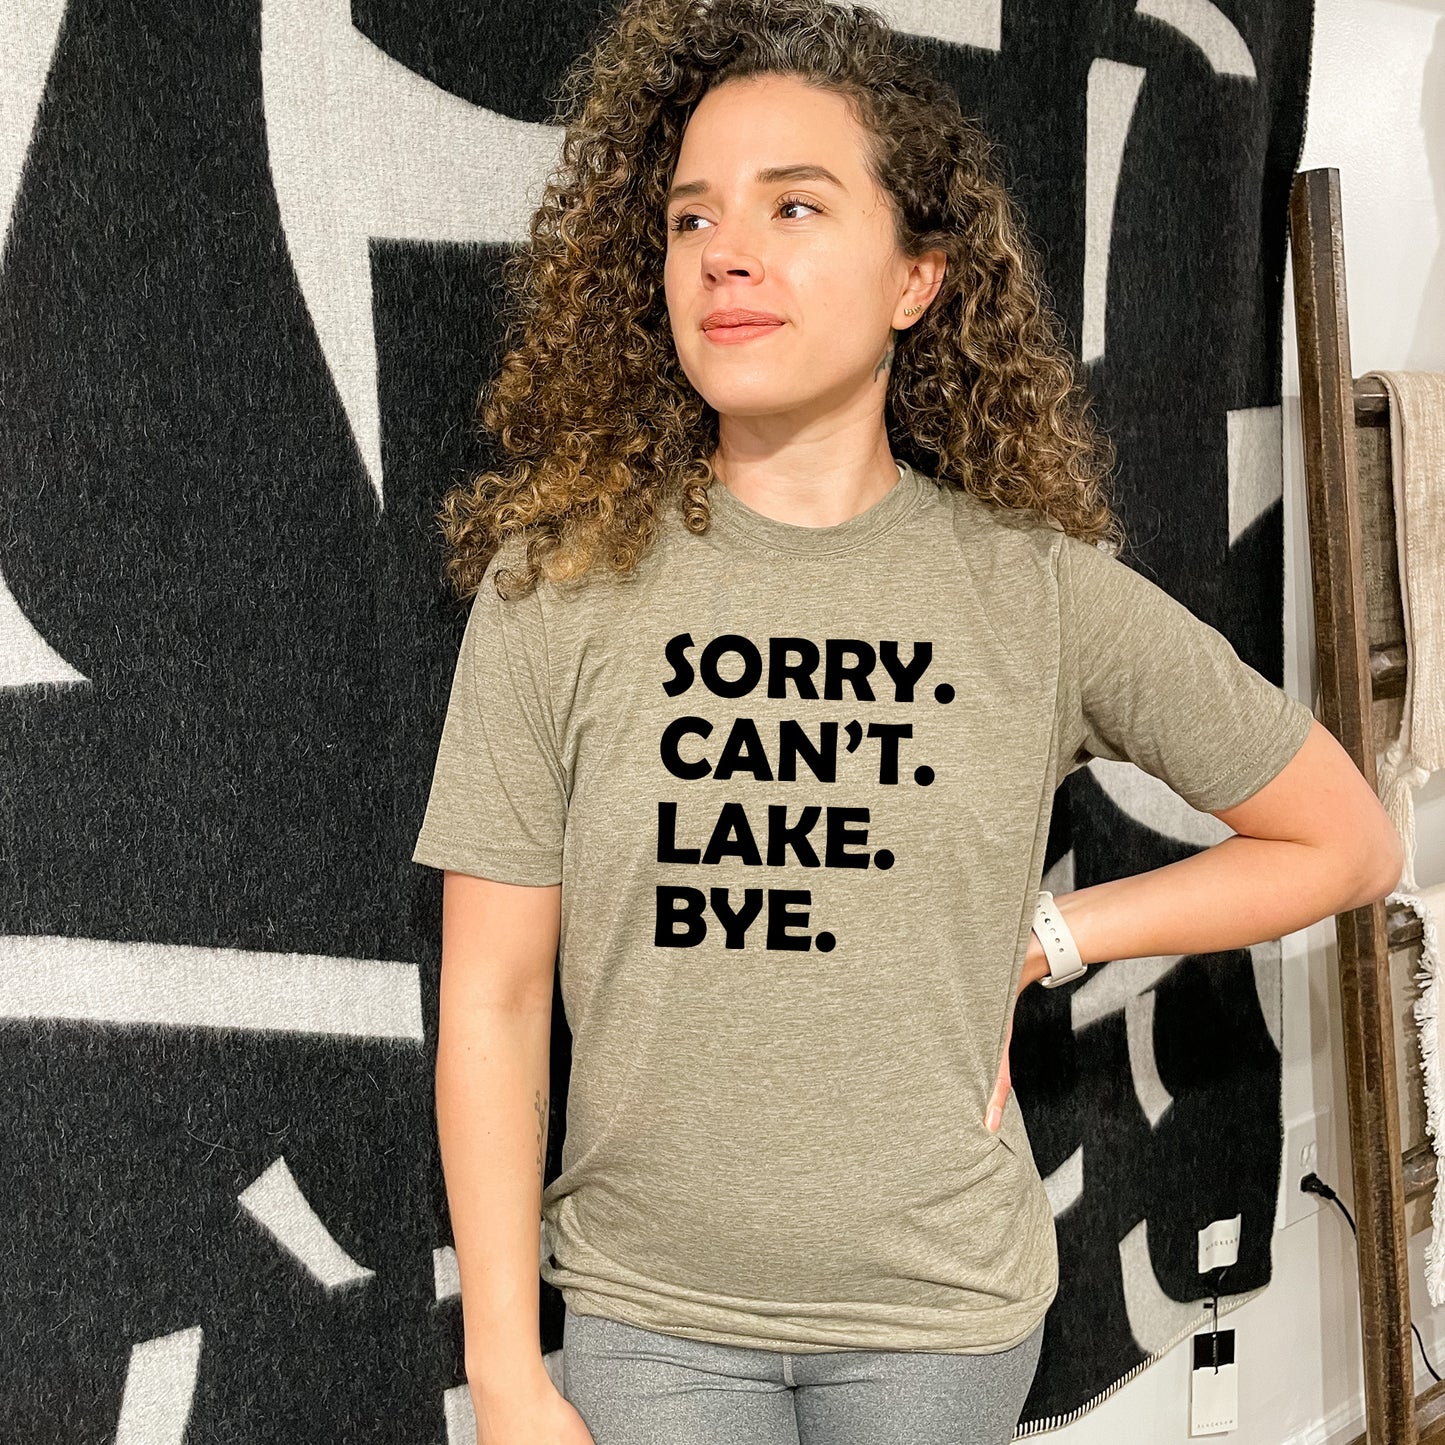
{"type": "Point", "coordinates": [679, 222]}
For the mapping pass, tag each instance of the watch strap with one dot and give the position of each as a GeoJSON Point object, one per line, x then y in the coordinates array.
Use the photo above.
{"type": "Point", "coordinates": [1062, 953]}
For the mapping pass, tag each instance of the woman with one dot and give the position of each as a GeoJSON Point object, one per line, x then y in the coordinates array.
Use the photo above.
{"type": "Point", "coordinates": [787, 622]}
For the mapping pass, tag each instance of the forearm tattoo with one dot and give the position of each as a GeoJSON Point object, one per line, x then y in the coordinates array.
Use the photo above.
{"type": "Point", "coordinates": [540, 1104]}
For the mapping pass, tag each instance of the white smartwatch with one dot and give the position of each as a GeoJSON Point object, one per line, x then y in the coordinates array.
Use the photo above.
{"type": "Point", "coordinates": [1059, 946]}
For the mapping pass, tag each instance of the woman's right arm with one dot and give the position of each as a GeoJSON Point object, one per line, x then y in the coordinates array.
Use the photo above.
{"type": "Point", "coordinates": [499, 948]}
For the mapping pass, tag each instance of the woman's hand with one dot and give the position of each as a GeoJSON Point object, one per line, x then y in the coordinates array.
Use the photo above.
{"type": "Point", "coordinates": [1035, 967]}
{"type": "Point", "coordinates": [531, 1412]}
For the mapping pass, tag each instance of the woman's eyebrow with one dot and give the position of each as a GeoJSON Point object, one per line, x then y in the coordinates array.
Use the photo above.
{"type": "Point", "coordinates": [765, 177]}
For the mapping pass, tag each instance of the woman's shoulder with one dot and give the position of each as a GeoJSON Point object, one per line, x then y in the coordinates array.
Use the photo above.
{"type": "Point", "coordinates": [986, 530]}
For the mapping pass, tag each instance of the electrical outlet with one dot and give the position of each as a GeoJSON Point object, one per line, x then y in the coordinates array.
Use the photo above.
{"type": "Point", "coordinates": [1308, 1149]}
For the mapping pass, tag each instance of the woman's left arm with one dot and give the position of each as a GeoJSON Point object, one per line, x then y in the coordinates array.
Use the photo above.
{"type": "Point", "coordinates": [1311, 843]}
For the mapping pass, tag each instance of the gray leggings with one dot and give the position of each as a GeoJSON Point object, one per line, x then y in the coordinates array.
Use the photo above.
{"type": "Point", "coordinates": [636, 1387]}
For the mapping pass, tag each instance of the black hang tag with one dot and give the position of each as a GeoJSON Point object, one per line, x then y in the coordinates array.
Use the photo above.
{"type": "Point", "coordinates": [1205, 1346]}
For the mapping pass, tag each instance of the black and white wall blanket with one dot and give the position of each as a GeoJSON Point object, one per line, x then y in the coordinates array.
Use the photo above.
{"type": "Point", "coordinates": [247, 296]}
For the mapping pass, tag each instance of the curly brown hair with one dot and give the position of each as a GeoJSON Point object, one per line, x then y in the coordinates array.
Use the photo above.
{"type": "Point", "coordinates": [591, 403]}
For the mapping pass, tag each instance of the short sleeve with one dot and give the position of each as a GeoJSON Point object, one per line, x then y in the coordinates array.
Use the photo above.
{"type": "Point", "coordinates": [1154, 685]}
{"type": "Point", "coordinates": [498, 801]}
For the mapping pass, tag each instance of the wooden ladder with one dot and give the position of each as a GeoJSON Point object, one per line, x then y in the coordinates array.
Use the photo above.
{"type": "Point", "coordinates": [1360, 653]}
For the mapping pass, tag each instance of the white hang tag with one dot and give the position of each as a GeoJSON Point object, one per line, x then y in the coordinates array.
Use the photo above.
{"type": "Point", "coordinates": [1214, 1385]}
{"type": "Point", "coordinates": [1219, 1244]}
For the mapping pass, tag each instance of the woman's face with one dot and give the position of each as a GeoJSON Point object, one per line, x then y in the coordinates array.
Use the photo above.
{"type": "Point", "coordinates": [815, 253]}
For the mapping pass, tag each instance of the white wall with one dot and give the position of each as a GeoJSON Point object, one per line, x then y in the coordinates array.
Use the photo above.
{"type": "Point", "coordinates": [1377, 115]}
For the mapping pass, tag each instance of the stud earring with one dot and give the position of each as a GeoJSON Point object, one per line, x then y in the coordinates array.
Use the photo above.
{"type": "Point", "coordinates": [911, 310]}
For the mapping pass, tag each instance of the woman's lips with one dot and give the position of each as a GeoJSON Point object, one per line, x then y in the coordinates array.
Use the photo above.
{"type": "Point", "coordinates": [732, 335]}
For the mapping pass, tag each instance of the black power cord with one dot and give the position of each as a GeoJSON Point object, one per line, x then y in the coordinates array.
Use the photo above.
{"type": "Point", "coordinates": [1313, 1184]}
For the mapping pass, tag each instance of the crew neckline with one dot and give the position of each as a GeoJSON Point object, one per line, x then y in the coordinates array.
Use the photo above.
{"type": "Point", "coordinates": [779, 536]}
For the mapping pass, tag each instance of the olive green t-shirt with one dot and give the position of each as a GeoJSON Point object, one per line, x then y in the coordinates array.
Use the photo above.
{"type": "Point", "coordinates": [795, 783]}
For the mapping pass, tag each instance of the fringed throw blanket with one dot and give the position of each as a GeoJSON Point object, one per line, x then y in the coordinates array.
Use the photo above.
{"type": "Point", "coordinates": [1417, 457]}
